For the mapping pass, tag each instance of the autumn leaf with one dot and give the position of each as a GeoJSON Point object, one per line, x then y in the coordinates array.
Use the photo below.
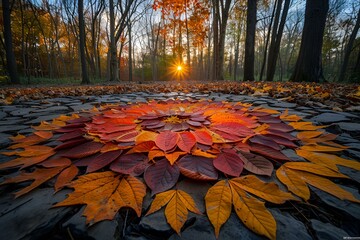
{"type": "Point", "coordinates": [229, 162]}
{"type": "Point", "coordinates": [218, 201]}
{"type": "Point", "coordinates": [256, 164]}
{"type": "Point", "coordinates": [103, 160]}
{"type": "Point", "coordinates": [178, 203]}
{"type": "Point", "coordinates": [40, 176]}
{"type": "Point", "coordinates": [268, 191]}
{"type": "Point", "coordinates": [65, 177]}
{"type": "Point", "coordinates": [203, 137]}
{"type": "Point", "coordinates": [308, 126]}
{"type": "Point", "coordinates": [26, 161]}
{"type": "Point", "coordinates": [104, 194]}
{"type": "Point", "coordinates": [196, 167]}
{"type": "Point", "coordinates": [83, 150]}
{"type": "Point", "coordinates": [167, 140]}
{"type": "Point", "coordinates": [186, 141]}
{"type": "Point", "coordinates": [289, 118]}
{"type": "Point", "coordinates": [253, 213]}
{"type": "Point", "coordinates": [161, 176]}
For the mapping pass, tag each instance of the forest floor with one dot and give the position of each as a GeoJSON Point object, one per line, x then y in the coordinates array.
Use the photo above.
{"type": "Point", "coordinates": [338, 97]}
{"type": "Point", "coordinates": [31, 216]}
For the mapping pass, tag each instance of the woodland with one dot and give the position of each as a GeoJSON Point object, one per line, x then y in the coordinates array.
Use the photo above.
{"type": "Point", "coordinates": [62, 41]}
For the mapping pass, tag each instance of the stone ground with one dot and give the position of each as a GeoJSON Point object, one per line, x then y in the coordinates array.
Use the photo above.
{"type": "Point", "coordinates": [31, 216]}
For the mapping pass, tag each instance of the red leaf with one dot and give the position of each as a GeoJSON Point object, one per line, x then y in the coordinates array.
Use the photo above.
{"type": "Point", "coordinates": [263, 140]}
{"type": "Point", "coordinates": [71, 143]}
{"type": "Point", "coordinates": [186, 141]}
{"type": "Point", "coordinates": [195, 167]}
{"type": "Point", "coordinates": [280, 127]}
{"type": "Point", "coordinates": [283, 141]}
{"type": "Point", "coordinates": [71, 135]}
{"type": "Point", "coordinates": [57, 162]}
{"type": "Point", "coordinates": [281, 134]}
{"type": "Point", "coordinates": [256, 164]}
{"type": "Point", "coordinates": [83, 150]}
{"type": "Point", "coordinates": [233, 128]}
{"type": "Point", "coordinates": [203, 137]}
{"type": "Point", "coordinates": [103, 160]}
{"type": "Point", "coordinates": [161, 176]}
{"type": "Point", "coordinates": [166, 140]}
{"type": "Point", "coordinates": [229, 163]}
{"type": "Point", "coordinates": [65, 177]}
{"type": "Point", "coordinates": [268, 152]}
{"type": "Point", "coordinates": [133, 164]}
{"type": "Point", "coordinates": [142, 147]}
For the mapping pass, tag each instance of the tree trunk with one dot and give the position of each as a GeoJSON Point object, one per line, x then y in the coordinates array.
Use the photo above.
{"type": "Point", "coordinates": [308, 66]}
{"type": "Point", "coordinates": [85, 77]}
{"type": "Point", "coordinates": [10, 57]}
{"type": "Point", "coordinates": [114, 76]}
{"type": "Point", "coordinates": [267, 41]}
{"type": "Point", "coordinates": [250, 41]}
{"type": "Point", "coordinates": [130, 52]}
{"type": "Point", "coordinates": [349, 49]}
{"type": "Point", "coordinates": [276, 39]}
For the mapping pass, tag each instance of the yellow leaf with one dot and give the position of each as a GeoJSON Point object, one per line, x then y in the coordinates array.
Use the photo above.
{"type": "Point", "coordinates": [267, 191]}
{"type": "Point", "coordinates": [218, 204]}
{"type": "Point", "coordinates": [293, 182]}
{"type": "Point", "coordinates": [161, 199]}
{"type": "Point", "coordinates": [308, 126]}
{"type": "Point", "coordinates": [308, 135]}
{"type": "Point", "coordinates": [320, 148]}
{"type": "Point", "coordinates": [266, 110]}
{"type": "Point", "coordinates": [198, 152]}
{"type": "Point", "coordinates": [44, 134]}
{"type": "Point", "coordinates": [176, 212]}
{"type": "Point", "coordinates": [290, 118]}
{"type": "Point", "coordinates": [328, 160]}
{"type": "Point", "coordinates": [104, 193]}
{"type": "Point", "coordinates": [253, 213]}
{"type": "Point", "coordinates": [314, 168]}
{"type": "Point", "coordinates": [327, 186]}
{"type": "Point", "coordinates": [172, 157]}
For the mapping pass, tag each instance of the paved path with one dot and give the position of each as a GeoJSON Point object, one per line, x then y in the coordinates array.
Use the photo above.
{"type": "Point", "coordinates": [29, 217]}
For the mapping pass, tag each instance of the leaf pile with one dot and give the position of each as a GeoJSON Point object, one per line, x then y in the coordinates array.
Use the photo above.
{"type": "Point", "coordinates": [329, 95]}
{"type": "Point", "coordinates": [113, 154]}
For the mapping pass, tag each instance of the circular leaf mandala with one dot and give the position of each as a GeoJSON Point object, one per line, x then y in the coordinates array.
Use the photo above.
{"type": "Point", "coordinates": [112, 155]}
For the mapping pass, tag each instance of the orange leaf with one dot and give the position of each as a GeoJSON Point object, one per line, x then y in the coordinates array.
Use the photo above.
{"type": "Point", "coordinates": [172, 157]}
{"type": "Point", "coordinates": [44, 134]}
{"type": "Point", "coordinates": [294, 183]}
{"type": "Point", "coordinates": [155, 153]}
{"type": "Point", "coordinates": [116, 192]}
{"type": "Point", "coordinates": [25, 161]}
{"type": "Point", "coordinates": [65, 177]}
{"type": "Point", "coordinates": [290, 118]}
{"type": "Point", "coordinates": [305, 126]}
{"type": "Point", "coordinates": [40, 175]}
{"type": "Point", "coordinates": [145, 136]}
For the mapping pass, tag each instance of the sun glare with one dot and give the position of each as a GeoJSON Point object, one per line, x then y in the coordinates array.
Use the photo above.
{"type": "Point", "coordinates": [179, 71]}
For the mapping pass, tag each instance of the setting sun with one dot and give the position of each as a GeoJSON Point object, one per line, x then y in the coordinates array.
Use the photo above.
{"type": "Point", "coordinates": [179, 68]}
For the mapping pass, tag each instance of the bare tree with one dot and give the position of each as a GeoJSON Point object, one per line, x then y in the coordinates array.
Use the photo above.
{"type": "Point", "coordinates": [349, 48]}
{"type": "Point", "coordinates": [10, 57]}
{"type": "Point", "coordinates": [85, 77]}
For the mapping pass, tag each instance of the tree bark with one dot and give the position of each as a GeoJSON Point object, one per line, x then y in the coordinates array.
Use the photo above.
{"type": "Point", "coordinates": [250, 41]}
{"type": "Point", "coordinates": [267, 41]}
{"type": "Point", "coordinates": [85, 77]}
{"type": "Point", "coordinates": [10, 57]}
{"type": "Point", "coordinates": [308, 66]}
{"type": "Point", "coordinates": [349, 48]}
{"type": "Point", "coordinates": [276, 39]}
